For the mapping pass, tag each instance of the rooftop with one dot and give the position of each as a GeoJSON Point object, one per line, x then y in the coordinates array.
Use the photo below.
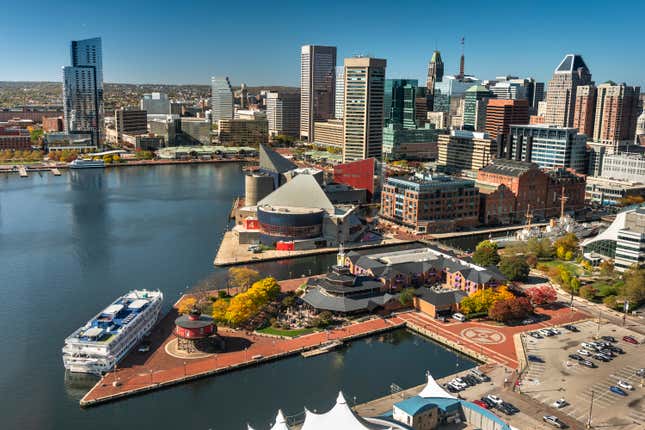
{"type": "Point", "coordinates": [505, 167]}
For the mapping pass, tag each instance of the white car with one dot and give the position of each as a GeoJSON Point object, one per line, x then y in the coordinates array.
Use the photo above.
{"type": "Point", "coordinates": [625, 385]}
{"type": "Point", "coordinates": [544, 332]}
{"type": "Point", "coordinates": [493, 398]}
{"type": "Point", "coordinates": [583, 352]}
{"type": "Point", "coordinates": [589, 346]}
{"type": "Point", "coordinates": [459, 384]}
{"type": "Point", "coordinates": [560, 403]}
{"type": "Point", "coordinates": [554, 330]}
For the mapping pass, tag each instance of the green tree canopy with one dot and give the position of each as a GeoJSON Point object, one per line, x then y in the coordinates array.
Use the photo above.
{"type": "Point", "coordinates": [515, 268]}
{"type": "Point", "coordinates": [486, 254]}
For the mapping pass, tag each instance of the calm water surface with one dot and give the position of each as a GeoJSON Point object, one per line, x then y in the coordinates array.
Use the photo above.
{"type": "Point", "coordinates": [70, 244]}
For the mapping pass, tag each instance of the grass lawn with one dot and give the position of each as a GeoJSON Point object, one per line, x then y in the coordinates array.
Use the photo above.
{"type": "Point", "coordinates": [571, 267]}
{"type": "Point", "coordinates": [283, 332]}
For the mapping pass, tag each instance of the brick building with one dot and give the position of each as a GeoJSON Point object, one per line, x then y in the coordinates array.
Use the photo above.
{"type": "Point", "coordinates": [53, 124]}
{"type": "Point", "coordinates": [465, 150]}
{"type": "Point", "coordinates": [428, 204]}
{"type": "Point", "coordinates": [501, 113]}
{"type": "Point", "coordinates": [584, 111]}
{"type": "Point", "coordinates": [570, 183]}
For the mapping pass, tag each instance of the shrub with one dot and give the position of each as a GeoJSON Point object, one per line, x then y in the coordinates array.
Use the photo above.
{"type": "Point", "coordinates": [587, 292]}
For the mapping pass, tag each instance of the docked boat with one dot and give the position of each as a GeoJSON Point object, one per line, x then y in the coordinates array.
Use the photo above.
{"type": "Point", "coordinates": [105, 339]}
{"type": "Point", "coordinates": [84, 163]}
{"type": "Point", "coordinates": [323, 349]}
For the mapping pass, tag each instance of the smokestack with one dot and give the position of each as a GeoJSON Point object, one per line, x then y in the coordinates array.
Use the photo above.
{"type": "Point", "coordinates": [509, 146]}
{"type": "Point", "coordinates": [518, 148]}
{"type": "Point", "coordinates": [529, 147]}
{"type": "Point", "coordinates": [500, 145]}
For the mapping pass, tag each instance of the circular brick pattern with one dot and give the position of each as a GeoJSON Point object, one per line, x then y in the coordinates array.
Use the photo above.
{"type": "Point", "coordinates": [483, 335]}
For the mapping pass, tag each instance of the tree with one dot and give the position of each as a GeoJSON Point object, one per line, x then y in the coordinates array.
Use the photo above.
{"type": "Point", "coordinates": [242, 277]}
{"type": "Point", "coordinates": [219, 309]}
{"type": "Point", "coordinates": [486, 254]}
{"type": "Point", "coordinates": [541, 248]}
{"type": "Point", "coordinates": [288, 301]}
{"type": "Point", "coordinates": [542, 295]}
{"type": "Point", "coordinates": [532, 260]}
{"type": "Point", "coordinates": [514, 268]}
{"type": "Point", "coordinates": [587, 292]}
{"type": "Point", "coordinates": [610, 302]}
{"type": "Point", "coordinates": [186, 305]}
{"type": "Point", "coordinates": [634, 288]}
{"type": "Point", "coordinates": [575, 285]}
{"type": "Point", "coordinates": [586, 265]}
{"type": "Point", "coordinates": [606, 268]}
{"type": "Point", "coordinates": [406, 296]}
{"type": "Point", "coordinates": [481, 300]}
{"type": "Point", "coordinates": [506, 310]}
{"type": "Point", "coordinates": [569, 242]}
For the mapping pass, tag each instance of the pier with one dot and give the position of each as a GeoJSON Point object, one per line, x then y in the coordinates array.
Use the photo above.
{"type": "Point", "coordinates": [22, 171]}
{"type": "Point", "coordinates": [434, 236]}
{"type": "Point", "coordinates": [55, 171]}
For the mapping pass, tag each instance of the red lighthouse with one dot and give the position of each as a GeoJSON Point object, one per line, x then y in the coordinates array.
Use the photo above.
{"type": "Point", "coordinates": [193, 328]}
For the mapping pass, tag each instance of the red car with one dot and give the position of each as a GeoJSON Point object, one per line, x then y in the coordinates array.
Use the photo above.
{"type": "Point", "coordinates": [630, 340]}
{"type": "Point", "coordinates": [480, 404]}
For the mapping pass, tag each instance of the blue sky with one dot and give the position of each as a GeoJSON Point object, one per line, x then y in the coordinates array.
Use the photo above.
{"type": "Point", "coordinates": [257, 42]}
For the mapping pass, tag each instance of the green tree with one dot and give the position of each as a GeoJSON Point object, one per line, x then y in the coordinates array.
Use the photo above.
{"type": "Point", "coordinates": [610, 302]}
{"type": "Point", "coordinates": [587, 292]}
{"type": "Point", "coordinates": [486, 254]}
{"type": "Point", "coordinates": [515, 268]}
{"type": "Point", "coordinates": [575, 285]}
{"type": "Point", "coordinates": [242, 277]}
{"type": "Point", "coordinates": [407, 296]}
{"type": "Point", "coordinates": [569, 242]}
{"type": "Point", "coordinates": [634, 288]}
{"type": "Point", "coordinates": [606, 268]}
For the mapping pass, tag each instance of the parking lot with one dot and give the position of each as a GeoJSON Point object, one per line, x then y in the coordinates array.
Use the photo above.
{"type": "Point", "coordinates": [552, 375]}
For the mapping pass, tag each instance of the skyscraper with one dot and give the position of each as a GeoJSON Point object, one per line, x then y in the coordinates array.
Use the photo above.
{"type": "Point", "coordinates": [435, 71]}
{"type": "Point", "coordinates": [222, 98]}
{"type": "Point", "coordinates": [399, 102]}
{"type": "Point", "coordinates": [317, 87]}
{"type": "Point", "coordinates": [155, 104]}
{"type": "Point", "coordinates": [501, 114]}
{"type": "Point", "coordinates": [363, 111]}
{"type": "Point", "coordinates": [340, 92]}
{"type": "Point", "coordinates": [283, 113]}
{"type": "Point", "coordinates": [561, 94]}
{"type": "Point", "coordinates": [584, 109]}
{"type": "Point", "coordinates": [616, 113]}
{"type": "Point", "coordinates": [475, 102]}
{"type": "Point", "coordinates": [83, 89]}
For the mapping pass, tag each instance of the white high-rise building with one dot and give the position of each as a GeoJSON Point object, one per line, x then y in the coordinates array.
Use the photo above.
{"type": "Point", "coordinates": [363, 110]}
{"type": "Point", "coordinates": [221, 98]}
{"type": "Point", "coordinates": [83, 89]}
{"type": "Point", "coordinates": [317, 87]}
{"type": "Point", "coordinates": [340, 92]}
{"type": "Point", "coordinates": [283, 113]}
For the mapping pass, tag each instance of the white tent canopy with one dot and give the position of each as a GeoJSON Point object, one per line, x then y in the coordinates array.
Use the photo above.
{"type": "Point", "coordinates": [280, 422]}
{"type": "Point", "coordinates": [433, 389]}
{"type": "Point", "coordinates": [339, 417]}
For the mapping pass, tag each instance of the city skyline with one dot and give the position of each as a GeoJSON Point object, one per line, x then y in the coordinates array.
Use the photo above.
{"type": "Point", "coordinates": [155, 55]}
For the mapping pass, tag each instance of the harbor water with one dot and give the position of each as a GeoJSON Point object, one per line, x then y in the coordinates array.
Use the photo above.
{"type": "Point", "coordinates": [70, 244]}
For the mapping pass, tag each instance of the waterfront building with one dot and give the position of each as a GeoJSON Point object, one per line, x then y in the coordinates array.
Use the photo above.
{"type": "Point", "coordinates": [317, 87]}
{"type": "Point", "coordinates": [448, 88]}
{"type": "Point", "coordinates": [329, 133]}
{"type": "Point", "coordinates": [63, 141]}
{"type": "Point", "coordinates": [616, 113]}
{"type": "Point", "coordinates": [340, 93]}
{"type": "Point", "coordinates": [30, 112]}
{"type": "Point", "coordinates": [465, 150]}
{"type": "Point", "coordinates": [361, 174]}
{"type": "Point", "coordinates": [423, 266]}
{"type": "Point", "coordinates": [624, 166]}
{"type": "Point", "coordinates": [243, 132]}
{"type": "Point", "coordinates": [283, 113]}
{"type": "Point", "coordinates": [221, 99]}
{"type": "Point", "coordinates": [571, 73]}
{"type": "Point", "coordinates": [15, 142]}
{"type": "Point", "coordinates": [155, 103]}
{"type": "Point", "coordinates": [130, 121]}
{"type": "Point", "coordinates": [623, 240]}
{"type": "Point", "coordinates": [500, 114]}
{"type": "Point", "coordinates": [83, 89]}
{"type": "Point", "coordinates": [585, 110]}
{"type": "Point", "coordinates": [475, 104]}
{"type": "Point", "coordinates": [435, 73]}
{"type": "Point", "coordinates": [428, 204]}
{"type": "Point", "coordinates": [611, 192]}
{"type": "Point", "coordinates": [195, 131]}
{"type": "Point", "coordinates": [53, 124]}
{"type": "Point", "coordinates": [363, 111]}
{"type": "Point", "coordinates": [195, 332]}
{"type": "Point", "coordinates": [547, 145]}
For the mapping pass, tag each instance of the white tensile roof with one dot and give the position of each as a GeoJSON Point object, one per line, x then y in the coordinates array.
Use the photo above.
{"type": "Point", "coordinates": [303, 191]}
{"type": "Point", "coordinates": [339, 417]}
{"type": "Point", "coordinates": [433, 389]}
{"type": "Point", "coordinates": [280, 422]}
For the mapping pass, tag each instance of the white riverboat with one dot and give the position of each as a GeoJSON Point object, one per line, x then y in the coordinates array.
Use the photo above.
{"type": "Point", "coordinates": [105, 339]}
{"type": "Point", "coordinates": [83, 163]}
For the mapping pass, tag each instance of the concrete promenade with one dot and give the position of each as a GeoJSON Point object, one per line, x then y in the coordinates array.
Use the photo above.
{"type": "Point", "coordinates": [231, 253]}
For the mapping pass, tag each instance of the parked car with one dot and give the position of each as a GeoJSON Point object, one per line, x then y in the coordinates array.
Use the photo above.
{"type": "Point", "coordinates": [640, 372]}
{"type": "Point", "coordinates": [575, 357]}
{"type": "Point", "coordinates": [554, 330]}
{"type": "Point", "coordinates": [587, 363]}
{"type": "Point", "coordinates": [571, 328]}
{"type": "Point", "coordinates": [560, 403]}
{"type": "Point", "coordinates": [535, 359]}
{"type": "Point", "coordinates": [589, 346]}
{"type": "Point", "coordinates": [452, 388]}
{"type": "Point", "coordinates": [535, 335]}
{"type": "Point", "coordinates": [630, 339]}
{"type": "Point", "coordinates": [488, 402]}
{"type": "Point", "coordinates": [601, 357]}
{"type": "Point", "coordinates": [528, 321]}
{"type": "Point", "coordinates": [608, 352]}
{"type": "Point", "coordinates": [504, 408]}
{"type": "Point", "coordinates": [544, 332]}
{"type": "Point", "coordinates": [625, 385]}
{"type": "Point", "coordinates": [480, 404]}
{"type": "Point", "coordinates": [583, 352]}
{"type": "Point", "coordinates": [514, 409]}
{"type": "Point", "coordinates": [609, 339]}
{"type": "Point", "coordinates": [144, 347]}
{"type": "Point", "coordinates": [553, 420]}
{"type": "Point", "coordinates": [495, 399]}
{"type": "Point", "coordinates": [617, 390]}
{"type": "Point", "coordinates": [459, 317]}
{"type": "Point", "coordinates": [616, 349]}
